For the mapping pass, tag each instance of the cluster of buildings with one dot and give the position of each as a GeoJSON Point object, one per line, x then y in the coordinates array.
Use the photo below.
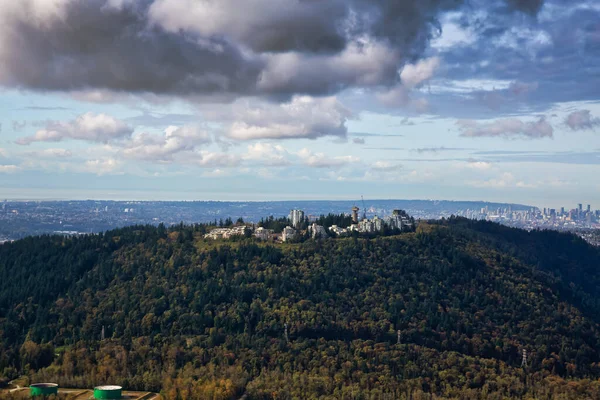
{"type": "Point", "coordinates": [297, 219]}
{"type": "Point", "coordinates": [399, 221]}
{"type": "Point", "coordinates": [227, 233]}
{"type": "Point", "coordinates": [288, 233]}
{"type": "Point", "coordinates": [260, 233]}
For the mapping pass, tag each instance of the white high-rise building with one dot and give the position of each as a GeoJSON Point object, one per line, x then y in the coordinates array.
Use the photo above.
{"type": "Point", "coordinates": [296, 217]}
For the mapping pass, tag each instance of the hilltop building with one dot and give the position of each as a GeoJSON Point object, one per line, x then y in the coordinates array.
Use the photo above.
{"type": "Point", "coordinates": [288, 233]}
{"type": "Point", "coordinates": [317, 231]}
{"type": "Point", "coordinates": [263, 234]}
{"type": "Point", "coordinates": [296, 217]}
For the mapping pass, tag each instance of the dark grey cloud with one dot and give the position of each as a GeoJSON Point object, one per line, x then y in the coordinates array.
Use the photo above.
{"type": "Point", "coordinates": [223, 49]}
{"type": "Point", "coordinates": [581, 120]}
{"type": "Point", "coordinates": [358, 141]}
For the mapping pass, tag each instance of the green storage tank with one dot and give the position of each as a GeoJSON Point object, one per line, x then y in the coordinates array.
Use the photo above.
{"type": "Point", "coordinates": [108, 392]}
{"type": "Point", "coordinates": [43, 389]}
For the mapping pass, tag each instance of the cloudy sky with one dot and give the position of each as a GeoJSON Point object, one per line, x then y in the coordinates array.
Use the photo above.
{"type": "Point", "coordinates": [301, 99]}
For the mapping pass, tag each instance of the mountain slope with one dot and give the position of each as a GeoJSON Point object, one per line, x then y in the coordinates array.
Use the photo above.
{"type": "Point", "coordinates": [185, 315]}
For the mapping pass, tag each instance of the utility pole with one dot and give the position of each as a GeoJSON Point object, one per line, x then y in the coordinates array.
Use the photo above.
{"type": "Point", "coordinates": [287, 339]}
{"type": "Point", "coordinates": [399, 336]}
{"type": "Point", "coordinates": [102, 334]}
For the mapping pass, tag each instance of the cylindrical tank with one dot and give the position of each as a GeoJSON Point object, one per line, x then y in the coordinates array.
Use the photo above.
{"type": "Point", "coordinates": [108, 392]}
{"type": "Point", "coordinates": [43, 389]}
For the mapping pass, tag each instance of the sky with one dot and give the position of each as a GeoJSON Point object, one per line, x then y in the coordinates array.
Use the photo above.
{"type": "Point", "coordinates": [495, 100]}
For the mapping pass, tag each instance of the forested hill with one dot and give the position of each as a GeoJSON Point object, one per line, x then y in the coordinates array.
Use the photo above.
{"type": "Point", "coordinates": [200, 319]}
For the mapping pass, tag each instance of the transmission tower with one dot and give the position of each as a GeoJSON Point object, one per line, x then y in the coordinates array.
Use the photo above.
{"type": "Point", "coordinates": [364, 208]}
{"type": "Point", "coordinates": [285, 332]}
{"type": "Point", "coordinates": [102, 334]}
{"type": "Point", "coordinates": [524, 361]}
{"type": "Point", "coordinates": [399, 336]}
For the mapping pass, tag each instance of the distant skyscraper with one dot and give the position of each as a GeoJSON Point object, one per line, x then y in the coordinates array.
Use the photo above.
{"type": "Point", "coordinates": [562, 211]}
{"type": "Point", "coordinates": [589, 208]}
{"type": "Point", "coordinates": [580, 208]}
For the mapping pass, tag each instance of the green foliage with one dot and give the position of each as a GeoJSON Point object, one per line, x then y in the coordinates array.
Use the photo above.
{"type": "Point", "coordinates": [200, 319]}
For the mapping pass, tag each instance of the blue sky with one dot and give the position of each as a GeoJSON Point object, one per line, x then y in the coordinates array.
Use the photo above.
{"type": "Point", "coordinates": [197, 99]}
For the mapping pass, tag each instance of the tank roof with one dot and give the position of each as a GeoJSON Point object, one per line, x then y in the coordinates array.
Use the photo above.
{"type": "Point", "coordinates": [108, 387]}
{"type": "Point", "coordinates": [44, 385]}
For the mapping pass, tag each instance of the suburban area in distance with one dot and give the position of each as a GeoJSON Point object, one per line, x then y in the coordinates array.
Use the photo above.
{"type": "Point", "coordinates": [19, 219]}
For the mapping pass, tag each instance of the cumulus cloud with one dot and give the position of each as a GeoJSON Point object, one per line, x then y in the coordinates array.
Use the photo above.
{"type": "Point", "coordinates": [89, 126]}
{"type": "Point", "coordinates": [581, 120]}
{"type": "Point", "coordinates": [164, 148]}
{"type": "Point", "coordinates": [267, 154]}
{"type": "Point", "coordinates": [507, 128]}
{"type": "Point", "coordinates": [203, 48]}
{"type": "Point", "coordinates": [412, 76]}
{"type": "Point", "coordinates": [321, 160]}
{"type": "Point", "coordinates": [207, 159]}
{"type": "Point", "coordinates": [303, 117]}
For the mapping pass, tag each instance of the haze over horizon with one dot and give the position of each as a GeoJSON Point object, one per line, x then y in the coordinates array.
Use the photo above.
{"type": "Point", "coordinates": [194, 100]}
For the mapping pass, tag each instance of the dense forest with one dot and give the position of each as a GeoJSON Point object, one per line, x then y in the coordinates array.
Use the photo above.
{"type": "Point", "coordinates": [162, 309]}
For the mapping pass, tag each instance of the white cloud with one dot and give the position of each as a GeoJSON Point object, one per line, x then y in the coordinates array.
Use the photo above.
{"type": "Point", "coordinates": [104, 166]}
{"type": "Point", "coordinates": [164, 148]}
{"type": "Point", "coordinates": [414, 75]}
{"type": "Point", "coordinates": [302, 117]}
{"type": "Point", "coordinates": [267, 154]}
{"type": "Point", "coordinates": [479, 165]}
{"type": "Point", "coordinates": [89, 126]}
{"type": "Point", "coordinates": [510, 127]}
{"type": "Point", "coordinates": [207, 159]}
{"type": "Point", "coordinates": [321, 160]}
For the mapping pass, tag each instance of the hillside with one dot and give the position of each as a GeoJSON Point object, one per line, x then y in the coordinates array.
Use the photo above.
{"type": "Point", "coordinates": [201, 319]}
